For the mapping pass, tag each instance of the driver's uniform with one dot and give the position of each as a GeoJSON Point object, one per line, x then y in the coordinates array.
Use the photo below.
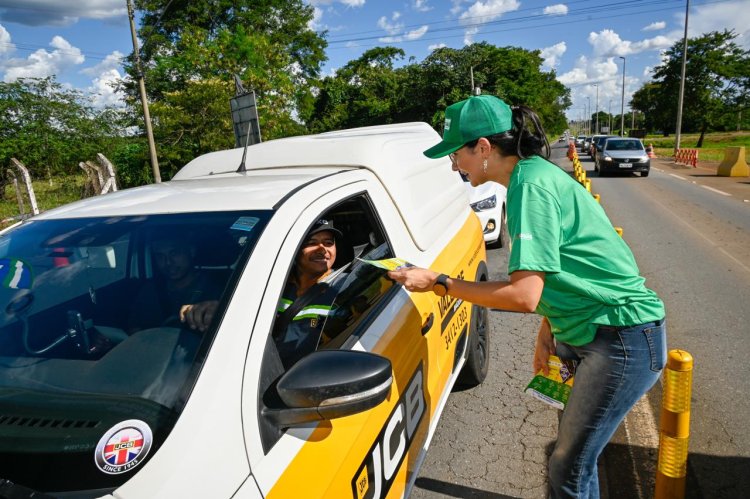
{"type": "Point", "coordinates": [305, 331]}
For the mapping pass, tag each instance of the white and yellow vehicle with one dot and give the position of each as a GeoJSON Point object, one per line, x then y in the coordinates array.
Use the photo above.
{"type": "Point", "coordinates": [90, 408]}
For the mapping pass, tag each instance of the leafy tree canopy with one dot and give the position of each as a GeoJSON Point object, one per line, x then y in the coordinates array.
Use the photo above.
{"type": "Point", "coordinates": [717, 85]}
{"type": "Point", "coordinates": [50, 129]}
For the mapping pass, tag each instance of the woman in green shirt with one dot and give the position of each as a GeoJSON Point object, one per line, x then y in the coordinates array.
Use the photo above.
{"type": "Point", "coordinates": [567, 264]}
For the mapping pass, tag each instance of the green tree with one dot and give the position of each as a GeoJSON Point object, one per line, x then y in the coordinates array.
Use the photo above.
{"type": "Point", "coordinates": [371, 91]}
{"type": "Point", "coordinates": [717, 84]}
{"type": "Point", "coordinates": [191, 52]}
{"type": "Point", "coordinates": [50, 128]}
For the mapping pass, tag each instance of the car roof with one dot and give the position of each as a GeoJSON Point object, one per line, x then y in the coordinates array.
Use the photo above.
{"type": "Point", "coordinates": [426, 192]}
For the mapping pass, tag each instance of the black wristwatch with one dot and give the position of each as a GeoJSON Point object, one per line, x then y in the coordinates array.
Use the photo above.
{"type": "Point", "coordinates": [440, 287]}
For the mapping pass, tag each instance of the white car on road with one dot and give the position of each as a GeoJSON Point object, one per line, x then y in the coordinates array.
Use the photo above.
{"type": "Point", "coordinates": [488, 202]}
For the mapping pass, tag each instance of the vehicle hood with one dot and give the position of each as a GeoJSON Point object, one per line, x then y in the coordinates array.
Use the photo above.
{"type": "Point", "coordinates": [483, 191]}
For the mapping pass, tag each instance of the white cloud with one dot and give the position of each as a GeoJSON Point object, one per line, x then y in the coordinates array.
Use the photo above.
{"type": "Point", "coordinates": [102, 91]}
{"type": "Point", "coordinates": [436, 46]}
{"type": "Point", "coordinates": [353, 3]}
{"type": "Point", "coordinates": [469, 35]}
{"type": "Point", "coordinates": [733, 15]}
{"type": "Point", "coordinates": [315, 23]}
{"type": "Point", "coordinates": [409, 35]}
{"type": "Point", "coordinates": [6, 46]}
{"type": "Point", "coordinates": [608, 43]}
{"type": "Point", "coordinates": [112, 61]}
{"type": "Point", "coordinates": [647, 73]}
{"type": "Point", "coordinates": [421, 6]}
{"type": "Point", "coordinates": [482, 12]}
{"type": "Point", "coordinates": [552, 54]}
{"type": "Point", "coordinates": [59, 13]}
{"type": "Point", "coordinates": [559, 9]}
{"type": "Point", "coordinates": [656, 26]}
{"type": "Point", "coordinates": [42, 63]}
{"type": "Point", "coordinates": [391, 27]}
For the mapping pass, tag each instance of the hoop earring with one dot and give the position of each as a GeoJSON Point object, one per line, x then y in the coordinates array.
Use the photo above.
{"type": "Point", "coordinates": [484, 166]}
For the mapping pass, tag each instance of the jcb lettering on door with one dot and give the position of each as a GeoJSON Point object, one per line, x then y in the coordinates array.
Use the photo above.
{"type": "Point", "coordinates": [375, 475]}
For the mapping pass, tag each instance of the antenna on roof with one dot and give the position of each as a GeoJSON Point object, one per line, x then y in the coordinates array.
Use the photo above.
{"type": "Point", "coordinates": [244, 113]}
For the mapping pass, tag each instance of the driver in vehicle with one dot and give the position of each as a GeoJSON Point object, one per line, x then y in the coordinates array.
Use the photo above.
{"type": "Point", "coordinates": [177, 282]}
{"type": "Point", "coordinates": [308, 295]}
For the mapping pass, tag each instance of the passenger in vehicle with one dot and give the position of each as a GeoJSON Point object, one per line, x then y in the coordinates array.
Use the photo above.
{"type": "Point", "coordinates": [567, 264]}
{"type": "Point", "coordinates": [308, 295]}
{"type": "Point", "coordinates": [177, 282]}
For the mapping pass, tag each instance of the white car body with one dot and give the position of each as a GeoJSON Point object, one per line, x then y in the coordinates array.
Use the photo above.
{"type": "Point", "coordinates": [226, 437]}
{"type": "Point", "coordinates": [491, 214]}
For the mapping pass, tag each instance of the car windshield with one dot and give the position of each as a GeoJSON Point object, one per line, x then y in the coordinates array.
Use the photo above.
{"type": "Point", "coordinates": [90, 334]}
{"type": "Point", "coordinates": [624, 145]}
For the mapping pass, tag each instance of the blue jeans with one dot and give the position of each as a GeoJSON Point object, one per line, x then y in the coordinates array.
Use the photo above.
{"type": "Point", "coordinates": [615, 370]}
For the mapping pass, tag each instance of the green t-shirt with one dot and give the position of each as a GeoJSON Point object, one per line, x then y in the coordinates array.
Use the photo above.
{"type": "Point", "coordinates": [558, 228]}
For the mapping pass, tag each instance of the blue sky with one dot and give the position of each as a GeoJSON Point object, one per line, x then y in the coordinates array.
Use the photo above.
{"type": "Point", "coordinates": [82, 41]}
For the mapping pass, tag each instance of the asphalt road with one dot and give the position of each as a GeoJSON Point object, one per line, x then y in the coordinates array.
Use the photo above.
{"type": "Point", "coordinates": [693, 246]}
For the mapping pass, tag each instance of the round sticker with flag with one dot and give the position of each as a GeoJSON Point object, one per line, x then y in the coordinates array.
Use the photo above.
{"type": "Point", "coordinates": [123, 447]}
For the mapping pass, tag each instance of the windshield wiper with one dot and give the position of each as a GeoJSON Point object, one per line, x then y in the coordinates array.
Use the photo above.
{"type": "Point", "coordinates": [10, 490]}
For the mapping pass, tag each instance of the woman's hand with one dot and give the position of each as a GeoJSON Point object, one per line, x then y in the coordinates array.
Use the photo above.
{"type": "Point", "coordinates": [545, 346]}
{"type": "Point", "coordinates": [414, 278]}
{"type": "Point", "coordinates": [199, 315]}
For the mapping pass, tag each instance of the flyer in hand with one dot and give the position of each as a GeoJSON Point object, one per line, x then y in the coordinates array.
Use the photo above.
{"type": "Point", "coordinates": [388, 263]}
{"type": "Point", "coordinates": [553, 388]}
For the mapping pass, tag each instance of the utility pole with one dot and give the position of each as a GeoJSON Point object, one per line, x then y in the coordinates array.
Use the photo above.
{"type": "Point", "coordinates": [596, 127]}
{"type": "Point", "coordinates": [678, 129]}
{"type": "Point", "coordinates": [144, 100]}
{"type": "Point", "coordinates": [622, 103]}
{"type": "Point", "coordinates": [609, 121]}
{"type": "Point", "coordinates": [588, 117]}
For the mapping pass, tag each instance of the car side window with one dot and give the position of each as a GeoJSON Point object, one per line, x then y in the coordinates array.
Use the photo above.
{"type": "Point", "coordinates": [324, 314]}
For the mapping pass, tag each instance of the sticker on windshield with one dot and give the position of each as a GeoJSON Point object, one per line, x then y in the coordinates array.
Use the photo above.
{"type": "Point", "coordinates": [123, 447]}
{"type": "Point", "coordinates": [15, 274]}
{"type": "Point", "coordinates": [245, 223]}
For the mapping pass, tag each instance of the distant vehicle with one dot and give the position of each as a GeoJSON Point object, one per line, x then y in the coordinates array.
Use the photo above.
{"type": "Point", "coordinates": [623, 155]}
{"type": "Point", "coordinates": [594, 138]}
{"type": "Point", "coordinates": [596, 147]}
{"type": "Point", "coordinates": [585, 144]}
{"type": "Point", "coordinates": [488, 202]}
{"type": "Point", "coordinates": [579, 140]}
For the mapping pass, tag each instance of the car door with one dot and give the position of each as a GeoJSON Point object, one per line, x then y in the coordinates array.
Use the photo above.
{"type": "Point", "coordinates": [372, 453]}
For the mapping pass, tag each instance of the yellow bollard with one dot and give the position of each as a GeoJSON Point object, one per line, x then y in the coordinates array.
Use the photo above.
{"type": "Point", "coordinates": [598, 198]}
{"type": "Point", "coordinates": [675, 426]}
{"type": "Point", "coordinates": [587, 184]}
{"type": "Point", "coordinates": [619, 231]}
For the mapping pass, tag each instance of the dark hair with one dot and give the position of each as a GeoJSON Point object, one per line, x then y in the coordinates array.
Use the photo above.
{"type": "Point", "coordinates": [521, 140]}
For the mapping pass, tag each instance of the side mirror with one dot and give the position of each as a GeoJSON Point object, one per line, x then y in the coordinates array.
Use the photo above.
{"type": "Point", "coordinates": [330, 384]}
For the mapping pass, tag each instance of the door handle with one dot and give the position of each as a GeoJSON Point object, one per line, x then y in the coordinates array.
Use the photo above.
{"type": "Point", "coordinates": [427, 325]}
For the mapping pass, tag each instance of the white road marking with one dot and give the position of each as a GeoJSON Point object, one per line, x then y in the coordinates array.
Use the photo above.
{"type": "Point", "coordinates": [716, 190]}
{"type": "Point", "coordinates": [677, 176]}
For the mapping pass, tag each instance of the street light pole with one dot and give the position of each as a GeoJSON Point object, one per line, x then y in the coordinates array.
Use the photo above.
{"type": "Point", "coordinates": [588, 117]}
{"type": "Point", "coordinates": [144, 100]}
{"type": "Point", "coordinates": [596, 126]}
{"type": "Point", "coordinates": [622, 103]}
{"type": "Point", "coordinates": [609, 121]}
{"type": "Point", "coordinates": [678, 129]}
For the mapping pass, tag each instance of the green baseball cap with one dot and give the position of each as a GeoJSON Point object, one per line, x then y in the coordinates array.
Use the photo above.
{"type": "Point", "coordinates": [470, 119]}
